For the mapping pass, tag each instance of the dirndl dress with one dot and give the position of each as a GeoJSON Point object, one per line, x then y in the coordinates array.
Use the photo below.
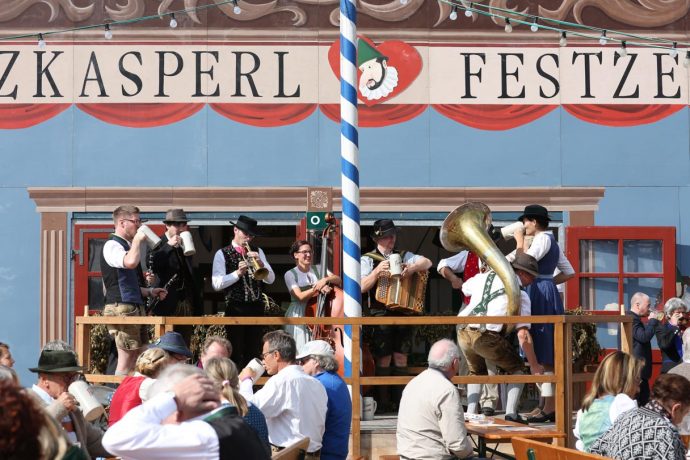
{"type": "Point", "coordinates": [546, 300]}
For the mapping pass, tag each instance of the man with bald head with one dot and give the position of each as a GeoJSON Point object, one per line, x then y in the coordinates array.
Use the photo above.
{"type": "Point", "coordinates": [431, 423]}
{"type": "Point", "coordinates": [642, 339]}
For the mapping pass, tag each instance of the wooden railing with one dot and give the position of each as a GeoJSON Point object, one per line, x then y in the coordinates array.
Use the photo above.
{"type": "Point", "coordinates": [563, 375]}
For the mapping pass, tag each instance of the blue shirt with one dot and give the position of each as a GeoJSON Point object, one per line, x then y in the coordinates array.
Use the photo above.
{"type": "Point", "coordinates": [338, 417]}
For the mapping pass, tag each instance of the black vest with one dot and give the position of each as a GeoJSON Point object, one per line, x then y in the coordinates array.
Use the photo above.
{"type": "Point", "coordinates": [236, 439]}
{"type": "Point", "coordinates": [166, 261]}
{"type": "Point", "coordinates": [246, 289]}
{"type": "Point", "coordinates": [122, 285]}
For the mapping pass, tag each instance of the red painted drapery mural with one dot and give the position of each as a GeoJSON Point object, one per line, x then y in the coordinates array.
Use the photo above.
{"type": "Point", "coordinates": [482, 116]}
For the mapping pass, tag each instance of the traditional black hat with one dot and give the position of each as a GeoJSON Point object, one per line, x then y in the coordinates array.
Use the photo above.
{"type": "Point", "coordinates": [383, 227]}
{"type": "Point", "coordinates": [175, 215]}
{"type": "Point", "coordinates": [247, 225]}
{"type": "Point", "coordinates": [53, 361]}
{"type": "Point", "coordinates": [534, 210]}
{"type": "Point", "coordinates": [526, 263]}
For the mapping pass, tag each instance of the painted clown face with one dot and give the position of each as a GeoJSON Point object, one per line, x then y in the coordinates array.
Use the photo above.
{"type": "Point", "coordinates": [377, 79]}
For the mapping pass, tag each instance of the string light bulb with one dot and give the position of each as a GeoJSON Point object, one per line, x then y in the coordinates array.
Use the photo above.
{"type": "Point", "coordinates": [453, 13]}
{"type": "Point", "coordinates": [624, 49]}
{"type": "Point", "coordinates": [468, 11]}
{"type": "Point", "coordinates": [237, 10]}
{"type": "Point", "coordinates": [564, 40]}
{"type": "Point", "coordinates": [173, 21]}
{"type": "Point", "coordinates": [603, 39]}
{"type": "Point", "coordinates": [41, 42]}
{"type": "Point", "coordinates": [509, 27]}
{"type": "Point", "coordinates": [674, 50]}
{"type": "Point", "coordinates": [403, 2]}
{"type": "Point", "coordinates": [534, 27]}
{"type": "Point", "coordinates": [108, 34]}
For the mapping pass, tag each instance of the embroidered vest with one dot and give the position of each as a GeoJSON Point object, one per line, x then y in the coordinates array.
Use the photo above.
{"type": "Point", "coordinates": [246, 289]}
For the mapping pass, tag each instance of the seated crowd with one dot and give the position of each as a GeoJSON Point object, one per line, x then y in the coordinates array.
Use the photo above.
{"type": "Point", "coordinates": [170, 409]}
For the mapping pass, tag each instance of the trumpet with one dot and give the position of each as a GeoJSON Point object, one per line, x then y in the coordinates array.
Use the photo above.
{"type": "Point", "coordinates": [254, 269]}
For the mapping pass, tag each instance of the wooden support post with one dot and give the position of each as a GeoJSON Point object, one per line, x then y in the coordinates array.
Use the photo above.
{"type": "Point", "coordinates": [568, 383]}
{"type": "Point", "coordinates": [560, 361]}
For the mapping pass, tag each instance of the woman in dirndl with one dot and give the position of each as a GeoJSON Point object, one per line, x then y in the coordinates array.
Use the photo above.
{"type": "Point", "coordinates": [543, 292]}
{"type": "Point", "coordinates": [304, 282]}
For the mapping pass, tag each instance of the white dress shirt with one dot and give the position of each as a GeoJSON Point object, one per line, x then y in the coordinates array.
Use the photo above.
{"type": "Point", "coordinates": [456, 263]}
{"type": "Point", "coordinates": [431, 424]}
{"type": "Point", "coordinates": [220, 279]}
{"type": "Point", "coordinates": [538, 249]}
{"type": "Point", "coordinates": [139, 435]}
{"type": "Point", "coordinates": [294, 405]}
{"type": "Point", "coordinates": [114, 253]}
{"type": "Point", "coordinates": [474, 287]}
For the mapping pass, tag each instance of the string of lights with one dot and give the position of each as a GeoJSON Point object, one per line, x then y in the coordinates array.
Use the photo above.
{"type": "Point", "coordinates": [110, 25]}
{"type": "Point", "coordinates": [565, 29]}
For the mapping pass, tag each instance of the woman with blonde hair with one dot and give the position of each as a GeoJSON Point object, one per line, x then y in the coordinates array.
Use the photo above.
{"type": "Point", "coordinates": [223, 371]}
{"type": "Point", "coordinates": [612, 393]}
{"type": "Point", "coordinates": [134, 388]}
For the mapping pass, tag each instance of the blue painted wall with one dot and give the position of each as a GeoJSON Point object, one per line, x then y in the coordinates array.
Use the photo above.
{"type": "Point", "coordinates": [645, 170]}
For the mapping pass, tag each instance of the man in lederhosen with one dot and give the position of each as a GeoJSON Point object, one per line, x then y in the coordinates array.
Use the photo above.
{"type": "Point", "coordinates": [487, 342]}
{"type": "Point", "coordinates": [168, 260]}
{"type": "Point", "coordinates": [390, 344]}
{"type": "Point", "coordinates": [243, 293]}
{"type": "Point", "coordinates": [123, 280]}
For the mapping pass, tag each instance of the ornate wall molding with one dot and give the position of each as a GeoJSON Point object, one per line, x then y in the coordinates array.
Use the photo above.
{"type": "Point", "coordinates": [257, 199]}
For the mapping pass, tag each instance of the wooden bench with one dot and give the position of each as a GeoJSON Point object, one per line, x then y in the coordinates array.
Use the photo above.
{"type": "Point", "coordinates": [528, 449]}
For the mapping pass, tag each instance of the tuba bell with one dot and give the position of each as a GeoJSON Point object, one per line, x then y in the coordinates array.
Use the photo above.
{"type": "Point", "coordinates": [467, 228]}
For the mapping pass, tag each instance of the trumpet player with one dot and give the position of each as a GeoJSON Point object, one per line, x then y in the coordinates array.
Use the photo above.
{"type": "Point", "coordinates": [241, 270]}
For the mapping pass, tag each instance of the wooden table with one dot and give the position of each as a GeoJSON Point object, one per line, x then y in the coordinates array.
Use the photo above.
{"type": "Point", "coordinates": [502, 431]}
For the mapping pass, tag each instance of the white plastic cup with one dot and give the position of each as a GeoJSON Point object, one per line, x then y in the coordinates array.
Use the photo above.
{"type": "Point", "coordinates": [368, 408]}
{"type": "Point", "coordinates": [257, 367]}
{"type": "Point", "coordinates": [509, 230]}
{"type": "Point", "coordinates": [88, 403]}
{"type": "Point", "coordinates": [187, 243]}
{"type": "Point", "coordinates": [395, 262]}
{"type": "Point", "coordinates": [151, 238]}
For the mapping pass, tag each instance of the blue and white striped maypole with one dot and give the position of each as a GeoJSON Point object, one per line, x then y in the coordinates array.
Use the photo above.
{"type": "Point", "coordinates": [349, 155]}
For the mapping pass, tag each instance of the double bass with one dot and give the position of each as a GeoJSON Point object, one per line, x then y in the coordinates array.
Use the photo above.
{"type": "Point", "coordinates": [328, 305]}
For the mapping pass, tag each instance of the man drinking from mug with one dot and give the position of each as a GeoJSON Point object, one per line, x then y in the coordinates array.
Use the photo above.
{"type": "Point", "coordinates": [123, 280]}
{"type": "Point", "coordinates": [391, 344]}
{"type": "Point", "coordinates": [56, 370]}
{"type": "Point", "coordinates": [166, 260]}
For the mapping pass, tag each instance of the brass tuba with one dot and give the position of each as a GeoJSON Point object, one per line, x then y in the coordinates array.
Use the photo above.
{"type": "Point", "coordinates": [467, 228]}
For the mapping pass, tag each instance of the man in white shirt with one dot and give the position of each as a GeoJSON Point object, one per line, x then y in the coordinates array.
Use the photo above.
{"type": "Point", "coordinates": [431, 424]}
{"type": "Point", "coordinates": [243, 292]}
{"type": "Point", "coordinates": [184, 420]}
{"type": "Point", "coordinates": [468, 264]}
{"type": "Point", "coordinates": [56, 370]}
{"type": "Point", "coordinates": [293, 402]}
{"type": "Point", "coordinates": [482, 343]}
{"type": "Point", "coordinates": [123, 281]}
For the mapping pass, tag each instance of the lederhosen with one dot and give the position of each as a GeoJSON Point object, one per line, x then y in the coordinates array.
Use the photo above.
{"type": "Point", "coordinates": [182, 299]}
{"type": "Point", "coordinates": [236, 439]}
{"type": "Point", "coordinates": [243, 298]}
{"type": "Point", "coordinates": [384, 340]}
